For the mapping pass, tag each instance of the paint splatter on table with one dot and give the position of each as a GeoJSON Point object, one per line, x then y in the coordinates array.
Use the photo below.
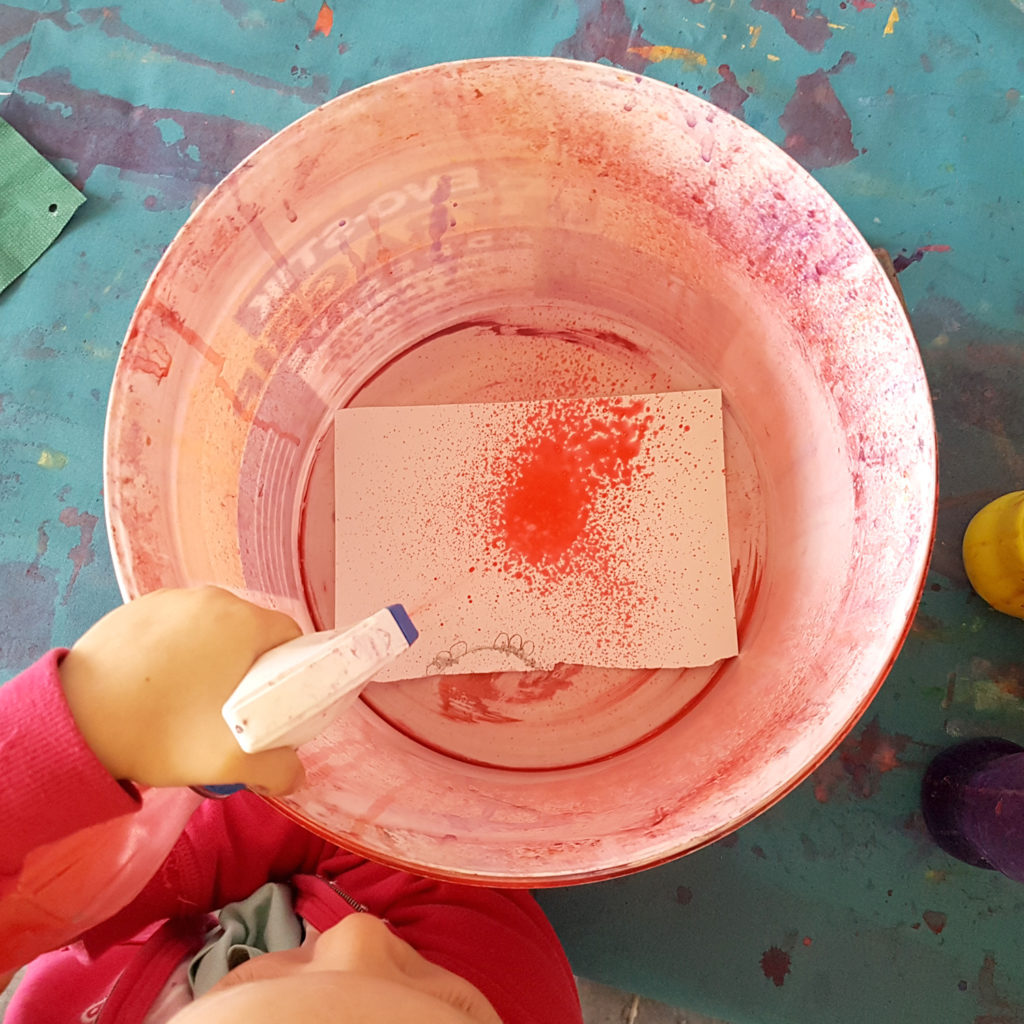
{"type": "Point", "coordinates": [833, 905]}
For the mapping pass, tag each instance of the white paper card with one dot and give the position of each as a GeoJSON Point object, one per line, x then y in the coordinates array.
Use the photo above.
{"type": "Point", "coordinates": [522, 535]}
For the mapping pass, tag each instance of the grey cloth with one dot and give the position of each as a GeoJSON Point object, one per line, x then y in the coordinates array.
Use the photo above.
{"type": "Point", "coordinates": [264, 922]}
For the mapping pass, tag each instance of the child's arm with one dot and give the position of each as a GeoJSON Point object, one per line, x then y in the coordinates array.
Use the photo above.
{"type": "Point", "coordinates": [138, 698]}
{"type": "Point", "coordinates": [52, 782]}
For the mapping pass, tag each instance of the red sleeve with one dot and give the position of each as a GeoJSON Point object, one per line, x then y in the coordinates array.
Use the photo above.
{"type": "Point", "coordinates": [53, 784]}
{"type": "Point", "coordinates": [228, 850]}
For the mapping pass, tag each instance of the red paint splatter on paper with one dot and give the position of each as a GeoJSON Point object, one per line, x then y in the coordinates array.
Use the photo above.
{"type": "Point", "coordinates": [861, 761]}
{"type": "Point", "coordinates": [728, 93]}
{"type": "Point", "coordinates": [324, 21]}
{"type": "Point", "coordinates": [808, 28]}
{"type": "Point", "coordinates": [775, 963]}
{"type": "Point", "coordinates": [543, 516]}
{"type": "Point", "coordinates": [818, 129]}
{"type": "Point", "coordinates": [605, 30]}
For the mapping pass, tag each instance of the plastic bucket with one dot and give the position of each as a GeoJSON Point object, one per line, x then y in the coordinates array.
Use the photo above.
{"type": "Point", "coordinates": [533, 228]}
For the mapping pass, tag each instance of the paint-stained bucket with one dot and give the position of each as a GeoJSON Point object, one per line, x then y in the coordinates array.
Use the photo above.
{"type": "Point", "coordinates": [524, 228]}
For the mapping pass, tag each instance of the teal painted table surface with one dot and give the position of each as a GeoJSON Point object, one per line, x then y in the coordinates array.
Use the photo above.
{"type": "Point", "coordinates": [833, 905]}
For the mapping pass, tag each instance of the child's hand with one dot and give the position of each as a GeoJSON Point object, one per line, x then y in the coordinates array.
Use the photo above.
{"type": "Point", "coordinates": [146, 683]}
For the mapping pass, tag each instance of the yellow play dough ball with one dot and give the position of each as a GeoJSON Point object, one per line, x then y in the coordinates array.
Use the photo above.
{"type": "Point", "coordinates": [994, 553]}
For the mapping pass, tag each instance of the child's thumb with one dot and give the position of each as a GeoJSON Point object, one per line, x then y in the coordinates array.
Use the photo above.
{"type": "Point", "coordinates": [274, 772]}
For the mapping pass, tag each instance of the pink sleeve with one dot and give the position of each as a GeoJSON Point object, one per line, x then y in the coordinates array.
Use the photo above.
{"type": "Point", "coordinates": [53, 784]}
{"type": "Point", "coordinates": [228, 850]}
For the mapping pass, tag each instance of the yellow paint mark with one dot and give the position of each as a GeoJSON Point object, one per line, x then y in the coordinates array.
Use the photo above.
{"type": "Point", "coordinates": [656, 54]}
{"type": "Point", "coordinates": [893, 18]}
{"type": "Point", "coordinates": [771, 56]}
{"type": "Point", "coordinates": [841, 28]}
{"type": "Point", "coordinates": [51, 459]}
{"type": "Point", "coordinates": [755, 34]}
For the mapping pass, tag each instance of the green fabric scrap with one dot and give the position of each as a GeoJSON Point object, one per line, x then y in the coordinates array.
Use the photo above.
{"type": "Point", "coordinates": [36, 201]}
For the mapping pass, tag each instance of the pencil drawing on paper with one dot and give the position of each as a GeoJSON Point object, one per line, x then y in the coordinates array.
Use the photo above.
{"type": "Point", "coordinates": [518, 651]}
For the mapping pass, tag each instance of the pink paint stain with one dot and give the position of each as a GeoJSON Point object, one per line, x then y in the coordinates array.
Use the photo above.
{"type": "Point", "coordinates": [862, 5]}
{"type": "Point", "coordinates": [728, 93]}
{"type": "Point", "coordinates": [605, 30]}
{"type": "Point", "coordinates": [808, 28]}
{"type": "Point", "coordinates": [82, 553]}
{"type": "Point", "coordinates": [775, 964]}
{"type": "Point", "coordinates": [541, 519]}
{"type": "Point", "coordinates": [481, 697]}
{"type": "Point", "coordinates": [818, 129]}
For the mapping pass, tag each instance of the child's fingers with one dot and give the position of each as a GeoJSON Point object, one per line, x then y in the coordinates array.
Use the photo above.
{"type": "Point", "coordinates": [274, 772]}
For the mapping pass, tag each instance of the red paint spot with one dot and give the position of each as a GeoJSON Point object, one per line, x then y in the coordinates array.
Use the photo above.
{"type": "Point", "coordinates": [807, 940]}
{"type": "Point", "coordinates": [148, 355]}
{"type": "Point", "coordinates": [818, 129]}
{"type": "Point", "coordinates": [862, 5]}
{"type": "Point", "coordinates": [935, 920]}
{"type": "Point", "coordinates": [324, 21]}
{"type": "Point", "coordinates": [775, 964]}
{"type": "Point", "coordinates": [809, 28]}
{"type": "Point", "coordinates": [728, 94]}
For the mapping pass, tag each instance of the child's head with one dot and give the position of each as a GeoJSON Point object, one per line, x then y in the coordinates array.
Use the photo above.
{"type": "Point", "coordinates": [354, 973]}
